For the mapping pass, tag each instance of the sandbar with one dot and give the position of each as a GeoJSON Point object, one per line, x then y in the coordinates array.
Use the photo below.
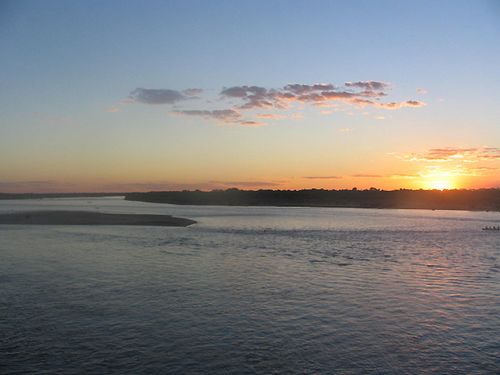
{"type": "Point", "coordinates": [91, 218]}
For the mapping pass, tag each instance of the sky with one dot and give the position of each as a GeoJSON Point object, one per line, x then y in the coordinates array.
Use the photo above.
{"type": "Point", "coordinates": [169, 95]}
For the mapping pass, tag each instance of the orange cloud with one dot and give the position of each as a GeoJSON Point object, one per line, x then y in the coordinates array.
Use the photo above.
{"type": "Point", "coordinates": [271, 116]}
{"type": "Point", "coordinates": [367, 175]}
{"type": "Point", "coordinates": [322, 177]}
{"type": "Point", "coordinates": [448, 154]}
{"type": "Point", "coordinates": [252, 123]}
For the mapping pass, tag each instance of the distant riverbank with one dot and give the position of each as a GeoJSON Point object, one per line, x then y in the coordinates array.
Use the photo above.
{"type": "Point", "coordinates": [468, 200]}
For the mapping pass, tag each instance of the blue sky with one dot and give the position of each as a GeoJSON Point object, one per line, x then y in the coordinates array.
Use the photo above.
{"type": "Point", "coordinates": [69, 67]}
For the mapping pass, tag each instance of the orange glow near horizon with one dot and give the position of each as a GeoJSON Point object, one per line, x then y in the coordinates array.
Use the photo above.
{"type": "Point", "coordinates": [254, 173]}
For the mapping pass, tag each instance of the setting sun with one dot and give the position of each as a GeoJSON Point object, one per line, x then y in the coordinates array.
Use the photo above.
{"type": "Point", "coordinates": [440, 185]}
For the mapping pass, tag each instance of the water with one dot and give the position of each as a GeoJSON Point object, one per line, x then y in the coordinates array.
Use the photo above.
{"type": "Point", "coordinates": [251, 290]}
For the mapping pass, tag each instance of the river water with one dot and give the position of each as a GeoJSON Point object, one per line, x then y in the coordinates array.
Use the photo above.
{"type": "Point", "coordinates": [251, 290]}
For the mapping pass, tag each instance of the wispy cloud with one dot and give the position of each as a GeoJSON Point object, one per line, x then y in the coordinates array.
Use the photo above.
{"type": "Point", "coordinates": [404, 176]}
{"type": "Point", "coordinates": [369, 85]}
{"type": "Point", "coordinates": [251, 123]}
{"type": "Point", "coordinates": [453, 162]}
{"type": "Point", "coordinates": [157, 96]}
{"type": "Point", "coordinates": [271, 116]}
{"type": "Point", "coordinates": [246, 184]}
{"type": "Point", "coordinates": [229, 116]}
{"type": "Point", "coordinates": [367, 175]}
{"type": "Point", "coordinates": [193, 92]}
{"type": "Point", "coordinates": [450, 154]}
{"type": "Point", "coordinates": [224, 115]}
{"type": "Point", "coordinates": [456, 171]}
{"type": "Point", "coordinates": [398, 105]}
{"type": "Point", "coordinates": [172, 186]}
{"type": "Point", "coordinates": [322, 177]}
{"type": "Point", "coordinates": [300, 89]}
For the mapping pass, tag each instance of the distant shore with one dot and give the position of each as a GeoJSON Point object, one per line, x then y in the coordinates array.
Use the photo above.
{"type": "Point", "coordinates": [467, 200]}
{"type": "Point", "coordinates": [91, 218]}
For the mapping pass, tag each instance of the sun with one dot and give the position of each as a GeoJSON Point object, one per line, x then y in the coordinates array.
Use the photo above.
{"type": "Point", "coordinates": [435, 178]}
{"type": "Point", "coordinates": [440, 184]}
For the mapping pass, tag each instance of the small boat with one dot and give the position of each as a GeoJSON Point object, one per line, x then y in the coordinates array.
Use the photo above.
{"type": "Point", "coordinates": [492, 228]}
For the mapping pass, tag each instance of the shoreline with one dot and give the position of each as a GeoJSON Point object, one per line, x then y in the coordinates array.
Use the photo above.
{"type": "Point", "coordinates": [486, 200]}
{"type": "Point", "coordinates": [53, 217]}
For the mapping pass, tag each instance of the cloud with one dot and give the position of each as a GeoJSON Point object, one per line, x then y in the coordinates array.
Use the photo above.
{"type": "Point", "coordinates": [300, 89]}
{"type": "Point", "coordinates": [367, 175]}
{"type": "Point", "coordinates": [454, 161]}
{"type": "Point", "coordinates": [176, 186]}
{"type": "Point", "coordinates": [404, 176]}
{"type": "Point", "coordinates": [192, 92]}
{"type": "Point", "coordinates": [432, 171]}
{"type": "Point", "coordinates": [224, 115]}
{"type": "Point", "coordinates": [449, 154]}
{"type": "Point", "coordinates": [157, 96]}
{"type": "Point", "coordinates": [160, 186]}
{"type": "Point", "coordinates": [246, 184]}
{"type": "Point", "coordinates": [389, 106]}
{"type": "Point", "coordinates": [246, 98]}
{"type": "Point", "coordinates": [421, 90]}
{"type": "Point", "coordinates": [113, 109]}
{"type": "Point", "coordinates": [271, 116]}
{"type": "Point", "coordinates": [252, 123]}
{"type": "Point", "coordinates": [243, 91]}
{"type": "Point", "coordinates": [369, 85]}
{"type": "Point", "coordinates": [252, 96]}
{"type": "Point", "coordinates": [322, 177]}
{"type": "Point", "coordinates": [316, 94]}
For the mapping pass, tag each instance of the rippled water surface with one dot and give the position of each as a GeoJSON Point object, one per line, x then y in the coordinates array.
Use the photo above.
{"type": "Point", "coordinates": [251, 290]}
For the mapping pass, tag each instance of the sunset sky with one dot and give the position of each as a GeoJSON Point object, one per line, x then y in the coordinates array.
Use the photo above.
{"type": "Point", "coordinates": [168, 95]}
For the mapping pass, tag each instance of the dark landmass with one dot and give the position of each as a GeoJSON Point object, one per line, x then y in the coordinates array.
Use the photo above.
{"type": "Point", "coordinates": [91, 218]}
{"type": "Point", "coordinates": [56, 195]}
{"type": "Point", "coordinates": [472, 200]}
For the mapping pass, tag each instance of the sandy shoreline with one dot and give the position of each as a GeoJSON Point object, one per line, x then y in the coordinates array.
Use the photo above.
{"type": "Point", "coordinates": [91, 218]}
